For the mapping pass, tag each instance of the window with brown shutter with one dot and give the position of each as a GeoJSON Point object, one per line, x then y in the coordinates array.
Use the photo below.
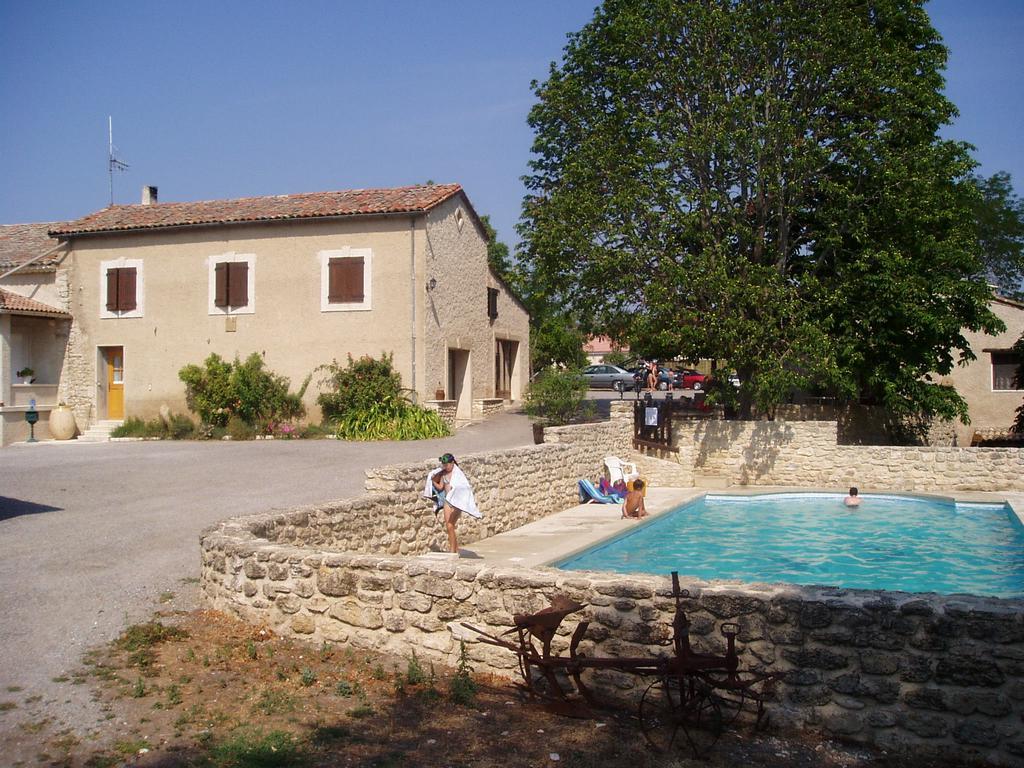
{"type": "Point", "coordinates": [231, 284]}
{"type": "Point", "coordinates": [492, 303]}
{"type": "Point", "coordinates": [238, 284]}
{"type": "Point", "coordinates": [121, 289]}
{"type": "Point", "coordinates": [345, 280]}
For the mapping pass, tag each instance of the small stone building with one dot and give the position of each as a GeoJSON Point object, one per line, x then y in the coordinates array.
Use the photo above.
{"type": "Point", "coordinates": [109, 308]}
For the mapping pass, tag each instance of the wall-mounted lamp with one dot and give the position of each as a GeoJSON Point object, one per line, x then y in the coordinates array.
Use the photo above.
{"type": "Point", "coordinates": [431, 284]}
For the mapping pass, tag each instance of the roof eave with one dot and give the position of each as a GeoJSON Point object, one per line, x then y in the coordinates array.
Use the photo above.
{"type": "Point", "coordinates": [64, 236]}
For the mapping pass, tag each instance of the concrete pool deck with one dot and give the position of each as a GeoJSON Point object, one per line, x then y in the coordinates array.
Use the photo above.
{"type": "Point", "coordinates": [578, 528]}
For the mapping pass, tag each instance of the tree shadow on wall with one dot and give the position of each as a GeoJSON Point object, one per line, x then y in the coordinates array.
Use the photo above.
{"type": "Point", "coordinates": [759, 455]}
{"type": "Point", "coordinates": [15, 507]}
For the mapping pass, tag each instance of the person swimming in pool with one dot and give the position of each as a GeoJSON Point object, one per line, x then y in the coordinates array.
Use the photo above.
{"type": "Point", "coordinates": [853, 500]}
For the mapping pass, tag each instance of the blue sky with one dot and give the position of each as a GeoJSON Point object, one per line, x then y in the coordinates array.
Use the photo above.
{"type": "Point", "coordinates": [230, 99]}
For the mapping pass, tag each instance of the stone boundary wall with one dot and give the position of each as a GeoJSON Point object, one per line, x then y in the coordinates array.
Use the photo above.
{"type": "Point", "coordinates": [896, 670]}
{"type": "Point", "coordinates": [901, 671]}
{"type": "Point", "coordinates": [512, 487]}
{"type": "Point", "coordinates": [806, 454]}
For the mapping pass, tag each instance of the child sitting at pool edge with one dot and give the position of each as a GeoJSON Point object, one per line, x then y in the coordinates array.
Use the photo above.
{"type": "Point", "coordinates": [634, 504]}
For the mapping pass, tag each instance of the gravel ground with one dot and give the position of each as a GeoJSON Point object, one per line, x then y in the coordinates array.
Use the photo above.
{"type": "Point", "coordinates": [98, 536]}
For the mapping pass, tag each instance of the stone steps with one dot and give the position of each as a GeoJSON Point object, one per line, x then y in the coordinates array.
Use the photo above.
{"type": "Point", "coordinates": [99, 432]}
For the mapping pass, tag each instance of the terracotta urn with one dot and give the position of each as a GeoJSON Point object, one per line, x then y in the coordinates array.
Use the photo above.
{"type": "Point", "coordinates": [62, 423]}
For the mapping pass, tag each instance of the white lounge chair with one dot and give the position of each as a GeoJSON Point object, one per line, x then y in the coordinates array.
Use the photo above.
{"type": "Point", "coordinates": [618, 469]}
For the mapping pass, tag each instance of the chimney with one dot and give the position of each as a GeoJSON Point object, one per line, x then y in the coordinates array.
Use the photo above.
{"type": "Point", "coordinates": [149, 195]}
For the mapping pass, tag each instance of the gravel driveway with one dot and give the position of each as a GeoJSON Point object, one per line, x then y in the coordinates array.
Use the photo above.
{"type": "Point", "coordinates": [95, 535]}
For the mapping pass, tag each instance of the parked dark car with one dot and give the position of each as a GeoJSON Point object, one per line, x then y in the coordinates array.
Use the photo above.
{"type": "Point", "coordinates": [604, 376]}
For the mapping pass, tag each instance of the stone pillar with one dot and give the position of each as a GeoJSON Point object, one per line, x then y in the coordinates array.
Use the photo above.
{"type": "Point", "coordinates": [5, 359]}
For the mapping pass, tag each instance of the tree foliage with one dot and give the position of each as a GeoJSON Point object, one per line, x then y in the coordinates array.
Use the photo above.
{"type": "Point", "coordinates": [497, 253]}
{"type": "Point", "coordinates": [1018, 381]}
{"type": "Point", "coordinates": [999, 215]}
{"type": "Point", "coordinates": [761, 182]}
{"type": "Point", "coordinates": [557, 396]}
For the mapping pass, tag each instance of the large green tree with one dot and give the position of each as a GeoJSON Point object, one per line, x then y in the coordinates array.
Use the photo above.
{"type": "Point", "coordinates": [999, 215]}
{"type": "Point", "coordinates": [761, 181]}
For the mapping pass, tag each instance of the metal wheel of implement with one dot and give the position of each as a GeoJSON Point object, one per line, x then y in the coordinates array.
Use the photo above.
{"type": "Point", "coordinates": [686, 712]}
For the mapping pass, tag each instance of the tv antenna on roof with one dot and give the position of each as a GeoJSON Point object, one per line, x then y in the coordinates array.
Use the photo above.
{"type": "Point", "coordinates": [113, 164]}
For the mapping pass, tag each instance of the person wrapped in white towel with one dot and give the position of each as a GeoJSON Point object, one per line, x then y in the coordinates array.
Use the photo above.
{"type": "Point", "coordinates": [449, 485]}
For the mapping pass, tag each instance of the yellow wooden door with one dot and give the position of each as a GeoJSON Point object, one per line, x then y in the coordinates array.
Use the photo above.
{"type": "Point", "coordinates": [115, 383]}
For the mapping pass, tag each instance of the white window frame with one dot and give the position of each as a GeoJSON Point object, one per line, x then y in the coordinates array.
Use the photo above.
{"type": "Point", "coordinates": [211, 269]}
{"type": "Point", "coordinates": [140, 288]}
{"type": "Point", "coordinates": [366, 254]}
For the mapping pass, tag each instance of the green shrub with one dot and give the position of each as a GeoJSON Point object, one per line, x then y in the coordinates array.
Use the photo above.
{"type": "Point", "coordinates": [219, 390]}
{"type": "Point", "coordinates": [239, 429]}
{"type": "Point", "coordinates": [133, 426]}
{"type": "Point", "coordinates": [355, 387]}
{"type": "Point", "coordinates": [392, 420]}
{"type": "Point", "coordinates": [462, 689]}
{"type": "Point", "coordinates": [365, 401]}
{"type": "Point", "coordinates": [556, 396]}
{"type": "Point", "coordinates": [181, 427]}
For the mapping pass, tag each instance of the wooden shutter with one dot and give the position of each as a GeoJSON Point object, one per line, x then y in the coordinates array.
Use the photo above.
{"type": "Point", "coordinates": [220, 290]}
{"type": "Point", "coordinates": [126, 289]}
{"type": "Point", "coordinates": [345, 280]}
{"type": "Point", "coordinates": [238, 284]}
{"type": "Point", "coordinates": [111, 290]}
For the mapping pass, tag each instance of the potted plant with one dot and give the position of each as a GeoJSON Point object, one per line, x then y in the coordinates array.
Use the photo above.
{"type": "Point", "coordinates": [27, 375]}
{"type": "Point", "coordinates": [555, 397]}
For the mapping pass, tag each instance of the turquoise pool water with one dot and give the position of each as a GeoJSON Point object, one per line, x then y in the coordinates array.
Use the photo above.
{"type": "Point", "coordinates": [903, 543]}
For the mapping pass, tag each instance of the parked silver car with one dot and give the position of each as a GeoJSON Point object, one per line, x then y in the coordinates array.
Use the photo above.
{"type": "Point", "coordinates": [605, 376]}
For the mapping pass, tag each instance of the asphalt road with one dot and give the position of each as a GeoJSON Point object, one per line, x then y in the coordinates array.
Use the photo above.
{"type": "Point", "coordinates": [94, 534]}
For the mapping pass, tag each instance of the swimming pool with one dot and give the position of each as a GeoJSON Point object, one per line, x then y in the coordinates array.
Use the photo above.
{"type": "Point", "coordinates": [906, 543]}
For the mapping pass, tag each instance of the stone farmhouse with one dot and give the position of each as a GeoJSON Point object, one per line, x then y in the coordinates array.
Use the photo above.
{"type": "Point", "coordinates": [107, 309]}
{"type": "Point", "coordinates": [987, 384]}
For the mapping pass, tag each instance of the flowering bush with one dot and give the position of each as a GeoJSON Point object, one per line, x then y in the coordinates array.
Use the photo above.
{"type": "Point", "coordinates": [221, 390]}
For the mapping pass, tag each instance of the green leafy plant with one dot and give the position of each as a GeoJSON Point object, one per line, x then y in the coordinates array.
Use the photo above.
{"type": "Point", "coordinates": [307, 677]}
{"type": "Point", "coordinates": [462, 689]}
{"type": "Point", "coordinates": [25, 373]}
{"type": "Point", "coordinates": [358, 385]}
{"type": "Point", "coordinates": [556, 396]}
{"type": "Point", "coordinates": [414, 672]}
{"type": "Point", "coordinates": [239, 429]}
{"type": "Point", "coordinates": [251, 748]}
{"type": "Point", "coordinates": [365, 401]}
{"type": "Point", "coordinates": [219, 390]}
{"type": "Point", "coordinates": [392, 420]}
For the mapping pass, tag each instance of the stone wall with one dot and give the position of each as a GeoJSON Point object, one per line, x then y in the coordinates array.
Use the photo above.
{"type": "Point", "coordinates": [901, 671]}
{"type": "Point", "coordinates": [806, 454]}
{"type": "Point", "coordinates": [446, 409]}
{"type": "Point", "coordinates": [896, 670]}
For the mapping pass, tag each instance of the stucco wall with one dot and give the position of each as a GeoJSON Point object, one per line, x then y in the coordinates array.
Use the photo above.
{"type": "Point", "coordinates": [287, 327]}
{"type": "Point", "coordinates": [988, 408]}
{"type": "Point", "coordinates": [902, 671]}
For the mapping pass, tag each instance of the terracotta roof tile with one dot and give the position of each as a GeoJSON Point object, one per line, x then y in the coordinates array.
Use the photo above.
{"type": "Point", "coordinates": [14, 303]}
{"type": "Point", "coordinates": [352, 202]}
{"type": "Point", "coordinates": [21, 242]}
